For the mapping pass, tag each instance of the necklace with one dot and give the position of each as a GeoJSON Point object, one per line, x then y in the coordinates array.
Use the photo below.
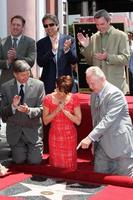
{"type": "Point", "coordinates": [61, 98]}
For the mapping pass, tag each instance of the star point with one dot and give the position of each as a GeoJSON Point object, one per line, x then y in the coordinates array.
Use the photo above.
{"type": "Point", "coordinates": [53, 192]}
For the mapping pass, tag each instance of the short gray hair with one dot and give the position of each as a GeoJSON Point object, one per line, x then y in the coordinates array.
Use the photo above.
{"type": "Point", "coordinates": [96, 71]}
{"type": "Point", "coordinates": [103, 13]}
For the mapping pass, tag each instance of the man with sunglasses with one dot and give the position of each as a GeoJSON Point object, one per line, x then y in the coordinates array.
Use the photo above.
{"type": "Point", "coordinates": [55, 53]}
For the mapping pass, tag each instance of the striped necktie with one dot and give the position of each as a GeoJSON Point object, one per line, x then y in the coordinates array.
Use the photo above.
{"type": "Point", "coordinates": [14, 45]}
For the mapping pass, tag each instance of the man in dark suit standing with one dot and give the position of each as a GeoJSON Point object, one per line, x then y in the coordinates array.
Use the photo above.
{"type": "Point", "coordinates": [15, 46]}
{"type": "Point", "coordinates": [22, 111]}
{"type": "Point", "coordinates": [55, 53]}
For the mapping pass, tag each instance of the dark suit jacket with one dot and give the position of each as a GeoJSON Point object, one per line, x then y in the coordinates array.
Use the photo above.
{"type": "Point", "coordinates": [25, 51]}
{"type": "Point", "coordinates": [46, 60]}
{"type": "Point", "coordinates": [30, 125]}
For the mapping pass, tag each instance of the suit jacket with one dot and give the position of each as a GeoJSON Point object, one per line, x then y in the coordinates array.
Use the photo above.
{"type": "Point", "coordinates": [18, 123]}
{"type": "Point", "coordinates": [114, 131]}
{"type": "Point", "coordinates": [25, 51]}
{"type": "Point", "coordinates": [117, 48]}
{"type": "Point", "coordinates": [46, 59]}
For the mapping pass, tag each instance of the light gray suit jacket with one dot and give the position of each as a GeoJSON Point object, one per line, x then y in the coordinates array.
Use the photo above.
{"type": "Point", "coordinates": [117, 48]}
{"type": "Point", "coordinates": [25, 51]}
{"type": "Point", "coordinates": [114, 131]}
{"type": "Point", "coordinates": [30, 125]}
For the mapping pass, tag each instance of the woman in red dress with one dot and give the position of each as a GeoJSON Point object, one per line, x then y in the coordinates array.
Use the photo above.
{"type": "Point", "coordinates": [62, 109]}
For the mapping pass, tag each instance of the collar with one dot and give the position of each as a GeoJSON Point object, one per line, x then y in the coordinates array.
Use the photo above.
{"type": "Point", "coordinates": [18, 85]}
{"type": "Point", "coordinates": [19, 37]}
{"type": "Point", "coordinates": [58, 36]}
{"type": "Point", "coordinates": [107, 32]}
{"type": "Point", "coordinates": [100, 94]}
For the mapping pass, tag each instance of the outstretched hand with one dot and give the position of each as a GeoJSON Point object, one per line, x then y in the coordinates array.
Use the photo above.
{"type": "Point", "coordinates": [85, 143]}
{"type": "Point", "coordinates": [84, 41]}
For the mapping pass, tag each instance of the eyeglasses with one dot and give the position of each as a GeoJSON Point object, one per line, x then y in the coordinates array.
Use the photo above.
{"type": "Point", "coordinates": [48, 25]}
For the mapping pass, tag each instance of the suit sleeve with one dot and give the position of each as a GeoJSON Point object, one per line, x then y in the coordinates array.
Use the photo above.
{"type": "Point", "coordinates": [6, 109]}
{"type": "Point", "coordinates": [44, 53]}
{"type": "Point", "coordinates": [3, 62]}
{"type": "Point", "coordinates": [30, 53]}
{"type": "Point", "coordinates": [37, 110]}
{"type": "Point", "coordinates": [71, 55]}
{"type": "Point", "coordinates": [115, 104]}
{"type": "Point", "coordinates": [122, 57]}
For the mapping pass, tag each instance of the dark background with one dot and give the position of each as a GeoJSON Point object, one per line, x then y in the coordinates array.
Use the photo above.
{"type": "Point", "coordinates": [74, 6]}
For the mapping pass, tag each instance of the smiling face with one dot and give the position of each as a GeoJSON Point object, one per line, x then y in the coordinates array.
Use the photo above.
{"type": "Point", "coordinates": [102, 24]}
{"type": "Point", "coordinates": [22, 77]}
{"type": "Point", "coordinates": [50, 27]}
{"type": "Point", "coordinates": [16, 27]}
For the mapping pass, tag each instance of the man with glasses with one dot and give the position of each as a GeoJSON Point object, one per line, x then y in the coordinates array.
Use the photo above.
{"type": "Point", "coordinates": [55, 53]}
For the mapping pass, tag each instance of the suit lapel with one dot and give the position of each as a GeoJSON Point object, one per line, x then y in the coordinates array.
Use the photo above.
{"type": "Point", "coordinates": [21, 44]}
{"type": "Point", "coordinates": [7, 44]}
{"type": "Point", "coordinates": [60, 47]}
{"type": "Point", "coordinates": [28, 89]}
{"type": "Point", "coordinates": [105, 93]}
{"type": "Point", "coordinates": [98, 42]}
{"type": "Point", "coordinates": [109, 42]}
{"type": "Point", "coordinates": [14, 89]}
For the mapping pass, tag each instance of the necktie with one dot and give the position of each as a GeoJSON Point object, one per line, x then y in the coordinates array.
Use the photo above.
{"type": "Point", "coordinates": [97, 101]}
{"type": "Point", "coordinates": [96, 120]}
{"type": "Point", "coordinates": [21, 94]}
{"type": "Point", "coordinates": [14, 43]}
{"type": "Point", "coordinates": [97, 111]}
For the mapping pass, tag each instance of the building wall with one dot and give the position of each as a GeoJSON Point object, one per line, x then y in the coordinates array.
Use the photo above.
{"type": "Point", "coordinates": [33, 12]}
{"type": "Point", "coordinates": [28, 10]}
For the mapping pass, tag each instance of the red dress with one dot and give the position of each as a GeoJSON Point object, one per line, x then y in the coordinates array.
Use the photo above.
{"type": "Point", "coordinates": [62, 135]}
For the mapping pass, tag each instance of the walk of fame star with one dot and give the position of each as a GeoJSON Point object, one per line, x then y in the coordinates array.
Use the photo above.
{"type": "Point", "coordinates": [53, 192]}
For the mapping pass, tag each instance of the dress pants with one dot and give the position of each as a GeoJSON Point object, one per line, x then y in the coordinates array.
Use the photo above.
{"type": "Point", "coordinates": [121, 166]}
{"type": "Point", "coordinates": [26, 152]}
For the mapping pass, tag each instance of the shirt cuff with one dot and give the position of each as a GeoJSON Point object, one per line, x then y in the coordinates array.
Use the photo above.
{"type": "Point", "coordinates": [13, 109]}
{"type": "Point", "coordinates": [91, 138]}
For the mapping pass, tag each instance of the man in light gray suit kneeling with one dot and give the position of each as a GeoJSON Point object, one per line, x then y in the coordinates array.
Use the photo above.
{"type": "Point", "coordinates": [22, 111]}
{"type": "Point", "coordinates": [112, 134]}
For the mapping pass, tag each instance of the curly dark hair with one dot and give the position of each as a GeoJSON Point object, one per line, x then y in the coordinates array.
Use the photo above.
{"type": "Point", "coordinates": [64, 83]}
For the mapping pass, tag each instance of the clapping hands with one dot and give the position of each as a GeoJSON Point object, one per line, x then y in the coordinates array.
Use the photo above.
{"type": "Point", "coordinates": [67, 45]}
{"type": "Point", "coordinates": [16, 104]}
{"type": "Point", "coordinates": [11, 55]}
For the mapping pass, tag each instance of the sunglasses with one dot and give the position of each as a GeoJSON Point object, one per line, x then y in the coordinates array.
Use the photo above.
{"type": "Point", "coordinates": [48, 25]}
